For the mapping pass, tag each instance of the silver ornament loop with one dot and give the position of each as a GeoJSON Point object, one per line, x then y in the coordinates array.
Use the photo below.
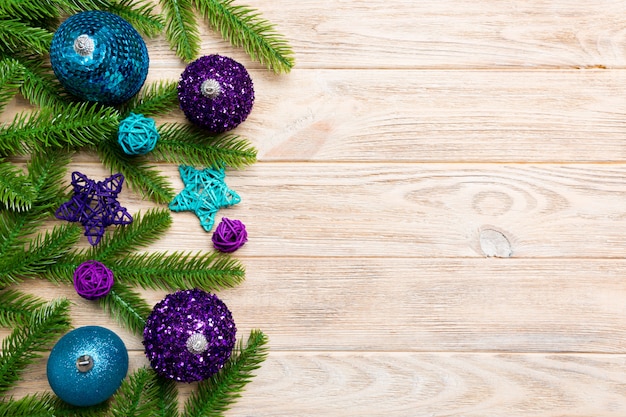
{"type": "Point", "coordinates": [197, 344]}
{"type": "Point", "coordinates": [84, 45]}
{"type": "Point", "coordinates": [84, 363]}
{"type": "Point", "coordinates": [210, 88]}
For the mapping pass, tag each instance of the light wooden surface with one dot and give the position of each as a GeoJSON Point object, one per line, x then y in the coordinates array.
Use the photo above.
{"type": "Point", "coordinates": [437, 219]}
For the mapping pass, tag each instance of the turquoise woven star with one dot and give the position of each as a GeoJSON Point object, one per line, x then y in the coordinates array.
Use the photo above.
{"type": "Point", "coordinates": [205, 193]}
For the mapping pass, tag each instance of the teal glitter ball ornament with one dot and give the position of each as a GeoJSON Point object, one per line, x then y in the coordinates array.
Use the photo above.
{"type": "Point", "coordinates": [87, 366]}
{"type": "Point", "coordinates": [137, 135]}
{"type": "Point", "coordinates": [98, 56]}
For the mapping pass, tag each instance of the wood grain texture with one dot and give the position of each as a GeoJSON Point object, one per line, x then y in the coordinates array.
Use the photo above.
{"type": "Point", "coordinates": [436, 221]}
{"type": "Point", "coordinates": [396, 210]}
{"type": "Point", "coordinates": [422, 385]}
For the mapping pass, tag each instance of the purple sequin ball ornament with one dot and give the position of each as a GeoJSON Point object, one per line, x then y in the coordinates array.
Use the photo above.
{"type": "Point", "coordinates": [216, 92]}
{"type": "Point", "coordinates": [189, 335]}
{"type": "Point", "coordinates": [229, 235]}
{"type": "Point", "coordinates": [93, 280]}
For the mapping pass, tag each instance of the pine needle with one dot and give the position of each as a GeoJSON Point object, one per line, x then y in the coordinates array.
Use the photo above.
{"type": "Point", "coordinates": [181, 30]}
{"type": "Point", "coordinates": [215, 395]}
{"type": "Point", "coordinates": [127, 307]}
{"type": "Point", "coordinates": [144, 230]}
{"type": "Point", "coordinates": [77, 125]}
{"type": "Point", "coordinates": [145, 394]}
{"type": "Point", "coordinates": [16, 37]}
{"type": "Point", "coordinates": [179, 271]}
{"type": "Point", "coordinates": [40, 87]}
{"type": "Point", "coordinates": [34, 405]}
{"type": "Point", "coordinates": [188, 145]}
{"type": "Point", "coordinates": [155, 99]}
{"type": "Point", "coordinates": [140, 176]}
{"type": "Point", "coordinates": [11, 79]}
{"type": "Point", "coordinates": [24, 344]}
{"type": "Point", "coordinates": [16, 308]}
{"type": "Point", "coordinates": [244, 27]}
{"type": "Point", "coordinates": [44, 250]}
{"type": "Point", "coordinates": [140, 14]}
{"type": "Point", "coordinates": [16, 191]}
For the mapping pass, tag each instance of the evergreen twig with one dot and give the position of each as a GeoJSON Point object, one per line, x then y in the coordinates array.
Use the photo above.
{"type": "Point", "coordinates": [185, 144]}
{"type": "Point", "coordinates": [140, 176]}
{"type": "Point", "coordinates": [215, 395]}
{"type": "Point", "coordinates": [244, 27]}
{"type": "Point", "coordinates": [16, 36]}
{"type": "Point", "coordinates": [144, 230]}
{"type": "Point", "coordinates": [77, 125]}
{"type": "Point", "coordinates": [179, 271]}
{"type": "Point", "coordinates": [155, 99]}
{"type": "Point", "coordinates": [181, 29]}
{"type": "Point", "coordinates": [145, 394]}
{"type": "Point", "coordinates": [127, 307]}
{"type": "Point", "coordinates": [23, 345]}
{"type": "Point", "coordinates": [34, 405]}
{"type": "Point", "coordinates": [16, 192]}
{"type": "Point", "coordinates": [16, 308]}
{"type": "Point", "coordinates": [40, 87]}
{"type": "Point", "coordinates": [11, 79]}
{"type": "Point", "coordinates": [140, 14]}
{"type": "Point", "coordinates": [42, 253]}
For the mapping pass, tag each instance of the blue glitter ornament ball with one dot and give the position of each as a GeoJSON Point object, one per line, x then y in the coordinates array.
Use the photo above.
{"type": "Point", "coordinates": [98, 56]}
{"type": "Point", "coordinates": [87, 366]}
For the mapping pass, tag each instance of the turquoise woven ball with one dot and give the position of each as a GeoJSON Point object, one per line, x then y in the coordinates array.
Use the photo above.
{"type": "Point", "coordinates": [98, 56]}
{"type": "Point", "coordinates": [137, 135]}
{"type": "Point", "coordinates": [87, 366]}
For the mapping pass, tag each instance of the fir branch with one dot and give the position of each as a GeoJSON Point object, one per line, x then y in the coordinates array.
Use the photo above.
{"type": "Point", "coordinates": [144, 230]}
{"type": "Point", "coordinates": [140, 14]}
{"type": "Point", "coordinates": [140, 176]}
{"type": "Point", "coordinates": [127, 307]}
{"type": "Point", "coordinates": [155, 99]}
{"type": "Point", "coordinates": [11, 79]}
{"type": "Point", "coordinates": [41, 254]}
{"type": "Point", "coordinates": [244, 27]}
{"type": "Point", "coordinates": [45, 173]}
{"type": "Point", "coordinates": [167, 398]}
{"type": "Point", "coordinates": [63, 409]}
{"type": "Point", "coordinates": [37, 405]}
{"type": "Point", "coordinates": [186, 144]}
{"type": "Point", "coordinates": [16, 191]}
{"type": "Point", "coordinates": [40, 87]}
{"type": "Point", "coordinates": [181, 30]}
{"type": "Point", "coordinates": [23, 345]}
{"type": "Point", "coordinates": [28, 10]}
{"type": "Point", "coordinates": [145, 394]}
{"type": "Point", "coordinates": [215, 395]}
{"type": "Point", "coordinates": [78, 124]}
{"type": "Point", "coordinates": [16, 308]}
{"type": "Point", "coordinates": [16, 36]}
{"type": "Point", "coordinates": [178, 271]}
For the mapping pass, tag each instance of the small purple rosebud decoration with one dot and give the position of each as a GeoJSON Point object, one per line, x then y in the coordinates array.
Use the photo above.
{"type": "Point", "coordinates": [189, 335]}
{"type": "Point", "coordinates": [229, 235]}
{"type": "Point", "coordinates": [93, 280]}
{"type": "Point", "coordinates": [216, 92]}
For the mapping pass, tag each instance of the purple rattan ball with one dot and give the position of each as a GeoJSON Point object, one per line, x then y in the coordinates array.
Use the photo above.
{"type": "Point", "coordinates": [93, 280]}
{"type": "Point", "coordinates": [189, 335]}
{"type": "Point", "coordinates": [229, 235]}
{"type": "Point", "coordinates": [216, 92]}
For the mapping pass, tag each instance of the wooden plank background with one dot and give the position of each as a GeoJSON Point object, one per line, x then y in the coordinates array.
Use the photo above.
{"type": "Point", "coordinates": [437, 219]}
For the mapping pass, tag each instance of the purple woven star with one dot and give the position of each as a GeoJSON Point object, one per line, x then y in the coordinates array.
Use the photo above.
{"type": "Point", "coordinates": [94, 205]}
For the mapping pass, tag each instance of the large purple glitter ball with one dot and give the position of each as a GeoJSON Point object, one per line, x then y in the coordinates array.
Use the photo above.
{"type": "Point", "coordinates": [189, 335]}
{"type": "Point", "coordinates": [216, 92]}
